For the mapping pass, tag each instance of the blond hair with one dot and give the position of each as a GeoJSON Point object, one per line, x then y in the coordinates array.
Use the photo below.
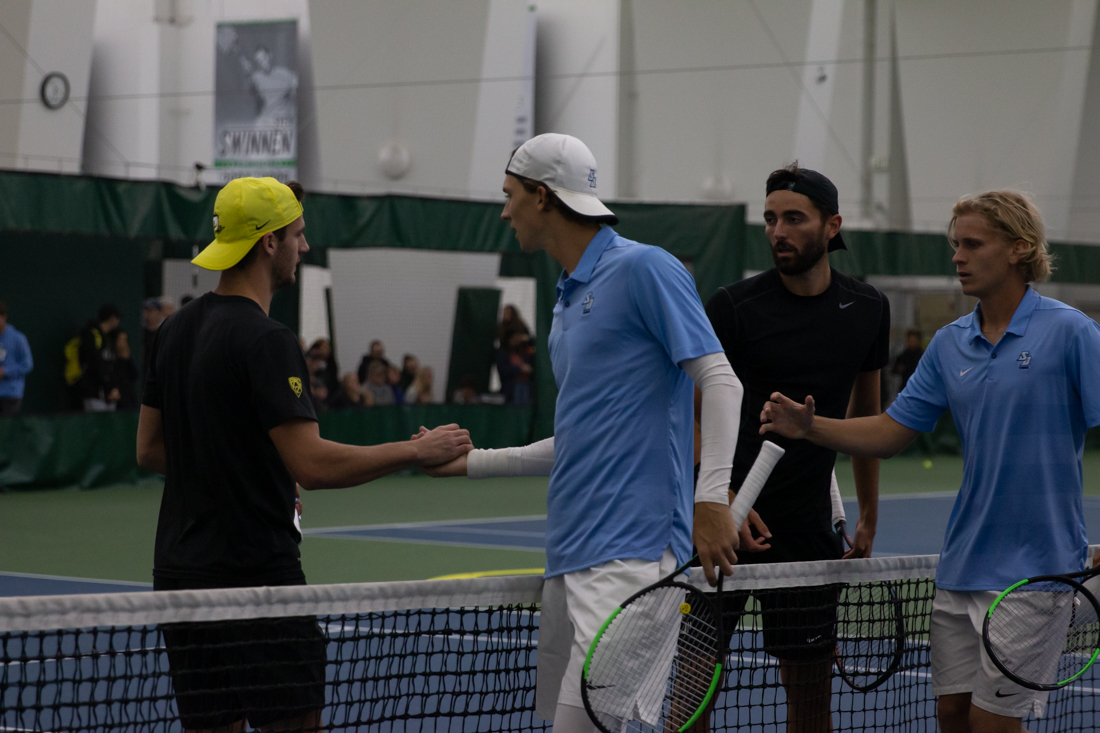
{"type": "Point", "coordinates": [1013, 214]}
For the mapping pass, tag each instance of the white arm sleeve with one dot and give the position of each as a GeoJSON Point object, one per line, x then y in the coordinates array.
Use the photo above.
{"type": "Point", "coordinates": [536, 459]}
{"type": "Point", "coordinates": [720, 421]}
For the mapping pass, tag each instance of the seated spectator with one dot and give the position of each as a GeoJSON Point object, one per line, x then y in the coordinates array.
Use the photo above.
{"type": "Point", "coordinates": [466, 394]}
{"type": "Point", "coordinates": [350, 394]}
{"type": "Point", "coordinates": [420, 391]}
{"type": "Point", "coordinates": [124, 373]}
{"type": "Point", "coordinates": [377, 353]}
{"type": "Point", "coordinates": [318, 392]}
{"type": "Point", "coordinates": [320, 361]}
{"type": "Point", "coordinates": [510, 323]}
{"type": "Point", "coordinates": [376, 385]}
{"type": "Point", "coordinates": [515, 369]}
{"type": "Point", "coordinates": [393, 378]}
{"type": "Point", "coordinates": [410, 366]}
{"type": "Point", "coordinates": [906, 363]}
{"type": "Point", "coordinates": [15, 363]}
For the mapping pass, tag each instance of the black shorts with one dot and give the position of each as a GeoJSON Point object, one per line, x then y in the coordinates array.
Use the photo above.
{"type": "Point", "coordinates": [265, 670]}
{"type": "Point", "coordinates": [798, 624]}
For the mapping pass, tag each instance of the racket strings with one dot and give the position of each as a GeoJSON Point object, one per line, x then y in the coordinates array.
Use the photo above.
{"type": "Point", "coordinates": [653, 667]}
{"type": "Point", "coordinates": [1045, 633]}
{"type": "Point", "coordinates": [870, 633]}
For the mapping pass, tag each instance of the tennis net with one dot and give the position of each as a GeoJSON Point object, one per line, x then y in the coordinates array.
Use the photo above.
{"type": "Point", "coordinates": [460, 655]}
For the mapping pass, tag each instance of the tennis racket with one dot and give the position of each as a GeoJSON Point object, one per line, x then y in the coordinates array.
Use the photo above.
{"type": "Point", "coordinates": [1044, 632]}
{"type": "Point", "coordinates": [656, 662]}
{"type": "Point", "coordinates": [870, 625]}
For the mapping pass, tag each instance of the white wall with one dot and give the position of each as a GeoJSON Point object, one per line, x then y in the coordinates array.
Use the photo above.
{"type": "Point", "coordinates": [46, 36]}
{"type": "Point", "coordinates": [987, 114]}
{"type": "Point", "coordinates": [153, 80]}
{"type": "Point", "coordinates": [688, 101]}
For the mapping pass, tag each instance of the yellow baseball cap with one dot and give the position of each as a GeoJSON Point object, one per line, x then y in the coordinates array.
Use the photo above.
{"type": "Point", "coordinates": [245, 210]}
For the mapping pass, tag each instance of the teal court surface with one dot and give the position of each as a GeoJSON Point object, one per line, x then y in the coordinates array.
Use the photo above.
{"type": "Point", "coordinates": [402, 528]}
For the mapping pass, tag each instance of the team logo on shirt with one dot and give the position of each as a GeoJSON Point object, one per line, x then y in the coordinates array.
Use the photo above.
{"type": "Point", "coordinates": [587, 303]}
{"type": "Point", "coordinates": [1024, 359]}
{"type": "Point", "coordinates": [296, 386]}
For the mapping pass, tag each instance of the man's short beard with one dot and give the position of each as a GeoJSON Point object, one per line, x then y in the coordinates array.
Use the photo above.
{"type": "Point", "coordinates": [282, 272]}
{"type": "Point", "coordinates": [805, 260]}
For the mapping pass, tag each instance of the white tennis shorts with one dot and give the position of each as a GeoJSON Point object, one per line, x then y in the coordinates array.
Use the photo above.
{"type": "Point", "coordinates": [960, 663]}
{"type": "Point", "coordinates": [574, 608]}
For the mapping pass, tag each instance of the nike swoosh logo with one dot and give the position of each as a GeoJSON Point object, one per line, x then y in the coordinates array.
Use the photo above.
{"type": "Point", "coordinates": [261, 226]}
{"type": "Point", "coordinates": [962, 373]}
{"type": "Point", "coordinates": [845, 305]}
{"type": "Point", "coordinates": [1011, 694]}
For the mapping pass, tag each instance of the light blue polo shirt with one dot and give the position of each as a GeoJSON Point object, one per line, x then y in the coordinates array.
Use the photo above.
{"type": "Point", "coordinates": [1022, 408]}
{"type": "Point", "coordinates": [621, 487]}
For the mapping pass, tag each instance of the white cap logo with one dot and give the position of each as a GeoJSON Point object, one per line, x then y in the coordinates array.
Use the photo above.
{"type": "Point", "coordinates": [567, 167]}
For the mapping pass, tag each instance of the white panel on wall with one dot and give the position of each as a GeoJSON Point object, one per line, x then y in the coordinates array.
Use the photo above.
{"type": "Point", "coordinates": [983, 92]}
{"type": "Point", "coordinates": [406, 299]}
{"type": "Point", "coordinates": [522, 293]}
{"type": "Point", "coordinates": [313, 281]}
{"type": "Point", "coordinates": [505, 109]}
{"type": "Point", "coordinates": [182, 278]}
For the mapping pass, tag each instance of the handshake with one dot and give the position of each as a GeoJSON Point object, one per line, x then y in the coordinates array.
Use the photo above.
{"type": "Point", "coordinates": [442, 451]}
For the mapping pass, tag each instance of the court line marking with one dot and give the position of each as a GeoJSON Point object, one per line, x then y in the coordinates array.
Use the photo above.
{"type": "Point", "coordinates": [435, 523]}
{"type": "Point", "coordinates": [70, 578]}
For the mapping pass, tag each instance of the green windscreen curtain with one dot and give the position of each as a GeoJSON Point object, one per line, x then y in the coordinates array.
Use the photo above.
{"type": "Point", "coordinates": [85, 240]}
{"type": "Point", "coordinates": [475, 330]}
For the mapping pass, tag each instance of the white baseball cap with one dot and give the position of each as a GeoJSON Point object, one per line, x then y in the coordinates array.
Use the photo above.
{"type": "Point", "coordinates": [567, 167]}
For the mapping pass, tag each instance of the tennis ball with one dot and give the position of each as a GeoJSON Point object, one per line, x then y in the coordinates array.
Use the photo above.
{"type": "Point", "coordinates": [927, 463]}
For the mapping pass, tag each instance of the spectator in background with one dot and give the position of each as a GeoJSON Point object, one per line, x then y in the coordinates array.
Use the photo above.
{"type": "Point", "coordinates": [318, 392]}
{"type": "Point", "coordinates": [510, 323]}
{"type": "Point", "coordinates": [96, 357]}
{"type": "Point", "coordinates": [906, 363]}
{"type": "Point", "coordinates": [410, 367]}
{"type": "Point", "coordinates": [377, 353]}
{"type": "Point", "coordinates": [420, 391]}
{"type": "Point", "coordinates": [124, 373]}
{"type": "Point", "coordinates": [514, 367]}
{"type": "Point", "coordinates": [151, 318]}
{"type": "Point", "coordinates": [393, 378]}
{"type": "Point", "coordinates": [320, 361]}
{"type": "Point", "coordinates": [15, 364]}
{"type": "Point", "coordinates": [466, 394]}
{"type": "Point", "coordinates": [350, 394]}
{"type": "Point", "coordinates": [376, 385]}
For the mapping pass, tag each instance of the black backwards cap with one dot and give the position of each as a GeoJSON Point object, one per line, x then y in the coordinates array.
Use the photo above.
{"type": "Point", "coordinates": [816, 188]}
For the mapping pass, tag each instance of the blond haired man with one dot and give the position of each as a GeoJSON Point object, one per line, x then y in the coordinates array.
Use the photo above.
{"type": "Point", "coordinates": [1021, 376]}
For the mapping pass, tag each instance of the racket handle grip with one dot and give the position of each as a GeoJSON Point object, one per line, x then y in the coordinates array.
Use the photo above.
{"type": "Point", "coordinates": [770, 453]}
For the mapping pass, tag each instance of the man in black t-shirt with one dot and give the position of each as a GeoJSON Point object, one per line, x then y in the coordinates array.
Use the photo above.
{"type": "Point", "coordinates": [228, 419]}
{"type": "Point", "coordinates": [802, 328]}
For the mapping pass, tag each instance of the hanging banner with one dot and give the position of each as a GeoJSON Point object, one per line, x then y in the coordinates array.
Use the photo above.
{"type": "Point", "coordinates": [256, 109]}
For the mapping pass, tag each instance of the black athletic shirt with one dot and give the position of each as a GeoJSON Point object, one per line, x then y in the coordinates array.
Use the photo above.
{"type": "Point", "coordinates": [223, 375]}
{"type": "Point", "coordinates": [780, 342]}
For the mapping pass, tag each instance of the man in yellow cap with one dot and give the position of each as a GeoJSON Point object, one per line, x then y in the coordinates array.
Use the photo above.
{"type": "Point", "coordinates": [227, 418]}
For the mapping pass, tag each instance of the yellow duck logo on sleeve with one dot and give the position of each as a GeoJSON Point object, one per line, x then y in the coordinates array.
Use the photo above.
{"type": "Point", "coordinates": [296, 385]}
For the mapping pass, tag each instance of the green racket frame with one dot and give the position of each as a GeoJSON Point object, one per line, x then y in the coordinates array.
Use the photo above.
{"type": "Point", "coordinates": [1070, 580]}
